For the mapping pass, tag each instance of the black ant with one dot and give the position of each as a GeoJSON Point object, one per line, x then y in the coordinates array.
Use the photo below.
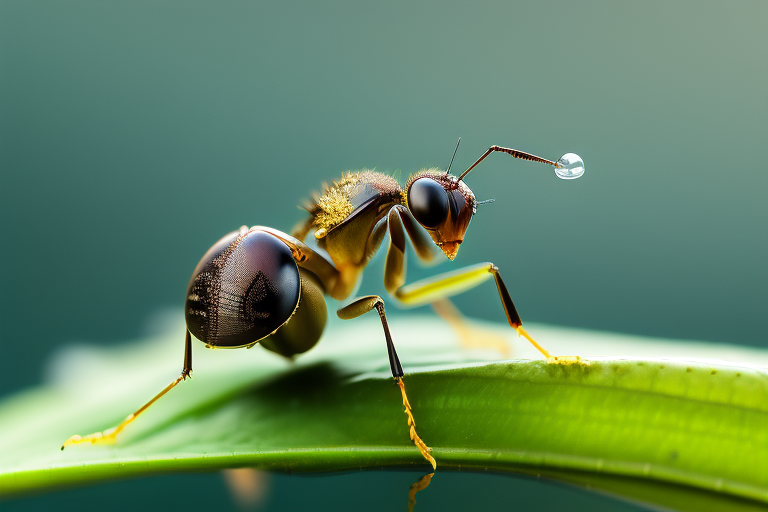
{"type": "Point", "coordinates": [261, 285]}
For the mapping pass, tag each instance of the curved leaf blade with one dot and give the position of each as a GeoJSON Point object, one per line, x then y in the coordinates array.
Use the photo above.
{"type": "Point", "coordinates": [701, 426]}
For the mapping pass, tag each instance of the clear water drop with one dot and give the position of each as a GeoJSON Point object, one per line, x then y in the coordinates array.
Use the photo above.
{"type": "Point", "coordinates": [569, 167]}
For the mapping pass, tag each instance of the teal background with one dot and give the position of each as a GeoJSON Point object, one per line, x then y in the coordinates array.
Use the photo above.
{"type": "Point", "coordinates": [134, 135]}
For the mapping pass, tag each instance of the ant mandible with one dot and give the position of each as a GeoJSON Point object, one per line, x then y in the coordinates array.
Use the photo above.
{"type": "Point", "coordinates": [261, 285]}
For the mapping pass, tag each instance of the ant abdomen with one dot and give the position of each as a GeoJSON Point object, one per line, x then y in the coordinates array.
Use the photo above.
{"type": "Point", "coordinates": [244, 288]}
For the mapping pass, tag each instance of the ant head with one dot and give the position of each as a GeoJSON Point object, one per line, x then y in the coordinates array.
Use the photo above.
{"type": "Point", "coordinates": [443, 205]}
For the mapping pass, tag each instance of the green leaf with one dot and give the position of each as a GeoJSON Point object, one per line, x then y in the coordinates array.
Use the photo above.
{"type": "Point", "coordinates": [677, 424]}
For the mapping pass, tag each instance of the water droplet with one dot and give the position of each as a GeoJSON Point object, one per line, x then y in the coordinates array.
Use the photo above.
{"type": "Point", "coordinates": [570, 167]}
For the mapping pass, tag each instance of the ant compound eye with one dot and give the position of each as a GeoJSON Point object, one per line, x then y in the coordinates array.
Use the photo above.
{"type": "Point", "coordinates": [428, 202]}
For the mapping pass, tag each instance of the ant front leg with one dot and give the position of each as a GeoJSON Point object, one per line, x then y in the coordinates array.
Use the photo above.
{"type": "Point", "coordinates": [361, 306]}
{"type": "Point", "coordinates": [110, 435]}
{"type": "Point", "coordinates": [445, 285]}
{"type": "Point", "coordinates": [398, 220]}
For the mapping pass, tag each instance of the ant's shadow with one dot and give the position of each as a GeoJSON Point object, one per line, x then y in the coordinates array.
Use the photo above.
{"type": "Point", "coordinates": [319, 391]}
{"type": "Point", "coordinates": [305, 381]}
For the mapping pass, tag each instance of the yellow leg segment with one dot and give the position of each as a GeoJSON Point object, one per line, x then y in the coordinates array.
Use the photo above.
{"type": "Point", "coordinates": [550, 358]}
{"type": "Point", "coordinates": [444, 285]}
{"type": "Point", "coordinates": [109, 436]}
{"type": "Point", "coordinates": [421, 445]}
{"type": "Point", "coordinates": [470, 337]}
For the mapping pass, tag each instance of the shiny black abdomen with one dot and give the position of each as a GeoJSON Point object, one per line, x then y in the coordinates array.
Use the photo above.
{"type": "Point", "coordinates": [244, 288]}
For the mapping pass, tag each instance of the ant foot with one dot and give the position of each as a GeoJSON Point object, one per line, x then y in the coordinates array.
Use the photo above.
{"type": "Point", "coordinates": [567, 360]}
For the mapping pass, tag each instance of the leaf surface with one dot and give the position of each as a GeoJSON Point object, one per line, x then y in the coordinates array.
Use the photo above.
{"type": "Point", "coordinates": [677, 424]}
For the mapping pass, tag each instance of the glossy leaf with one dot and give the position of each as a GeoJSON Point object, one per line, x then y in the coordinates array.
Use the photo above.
{"type": "Point", "coordinates": [676, 424]}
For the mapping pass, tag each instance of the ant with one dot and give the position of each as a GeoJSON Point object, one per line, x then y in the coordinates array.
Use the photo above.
{"type": "Point", "coordinates": [261, 285]}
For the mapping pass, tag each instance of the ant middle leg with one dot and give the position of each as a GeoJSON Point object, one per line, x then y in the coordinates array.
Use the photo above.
{"type": "Point", "coordinates": [361, 306]}
{"type": "Point", "coordinates": [445, 285]}
{"type": "Point", "coordinates": [400, 223]}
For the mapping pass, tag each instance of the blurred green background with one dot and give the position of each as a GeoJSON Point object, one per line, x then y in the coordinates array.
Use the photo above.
{"type": "Point", "coordinates": [134, 135]}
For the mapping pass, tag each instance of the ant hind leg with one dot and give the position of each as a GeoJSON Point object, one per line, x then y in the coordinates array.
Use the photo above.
{"type": "Point", "coordinates": [110, 435]}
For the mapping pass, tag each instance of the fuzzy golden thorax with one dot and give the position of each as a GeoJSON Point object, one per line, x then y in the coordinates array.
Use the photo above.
{"type": "Point", "coordinates": [334, 205]}
{"type": "Point", "coordinates": [340, 200]}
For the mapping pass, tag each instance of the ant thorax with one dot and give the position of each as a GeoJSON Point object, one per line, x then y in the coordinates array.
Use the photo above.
{"type": "Point", "coordinates": [349, 221]}
{"type": "Point", "coordinates": [344, 199]}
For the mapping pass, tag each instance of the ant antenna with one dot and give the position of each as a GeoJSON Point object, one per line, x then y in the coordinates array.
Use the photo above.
{"type": "Point", "coordinates": [515, 153]}
{"type": "Point", "coordinates": [454, 156]}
